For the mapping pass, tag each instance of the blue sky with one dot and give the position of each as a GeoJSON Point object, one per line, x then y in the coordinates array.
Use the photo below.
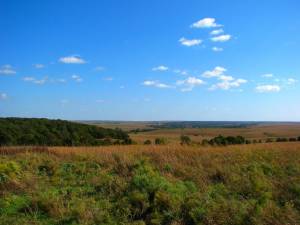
{"type": "Point", "coordinates": [150, 60]}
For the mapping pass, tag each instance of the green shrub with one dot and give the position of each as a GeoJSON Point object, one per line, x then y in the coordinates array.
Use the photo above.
{"type": "Point", "coordinates": [147, 142]}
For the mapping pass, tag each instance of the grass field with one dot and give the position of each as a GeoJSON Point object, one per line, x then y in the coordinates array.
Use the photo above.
{"type": "Point", "coordinates": [262, 132]}
{"type": "Point", "coordinates": [138, 184]}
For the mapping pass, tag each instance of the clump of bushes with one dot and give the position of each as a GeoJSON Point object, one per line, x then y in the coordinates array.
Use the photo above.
{"type": "Point", "coordinates": [223, 141]}
{"type": "Point", "coordinates": [147, 142]}
{"type": "Point", "coordinates": [160, 141]}
{"type": "Point", "coordinates": [185, 140]}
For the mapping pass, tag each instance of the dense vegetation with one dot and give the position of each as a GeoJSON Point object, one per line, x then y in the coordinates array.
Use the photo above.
{"type": "Point", "coordinates": [18, 131]}
{"type": "Point", "coordinates": [186, 186]}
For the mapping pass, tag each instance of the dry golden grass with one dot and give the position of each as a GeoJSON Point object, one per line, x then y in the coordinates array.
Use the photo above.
{"type": "Point", "coordinates": [198, 134]}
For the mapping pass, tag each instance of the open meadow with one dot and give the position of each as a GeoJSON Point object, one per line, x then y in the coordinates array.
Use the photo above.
{"type": "Point", "coordinates": [151, 184]}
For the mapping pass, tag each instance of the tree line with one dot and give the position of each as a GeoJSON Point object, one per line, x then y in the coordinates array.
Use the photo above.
{"type": "Point", "coordinates": [46, 132]}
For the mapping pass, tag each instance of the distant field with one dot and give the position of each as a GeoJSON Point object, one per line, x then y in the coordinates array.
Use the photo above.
{"type": "Point", "coordinates": [258, 131]}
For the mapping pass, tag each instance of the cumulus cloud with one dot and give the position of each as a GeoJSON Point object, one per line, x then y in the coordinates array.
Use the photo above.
{"type": "Point", "coordinates": [76, 78]}
{"type": "Point", "coordinates": [3, 96]}
{"type": "Point", "coordinates": [190, 42]}
{"type": "Point", "coordinates": [217, 71]}
{"type": "Point", "coordinates": [221, 38]}
{"type": "Point", "coordinates": [73, 59]}
{"type": "Point", "coordinates": [267, 88]}
{"type": "Point", "coordinates": [228, 83]}
{"type": "Point", "coordinates": [157, 84]}
{"type": "Point", "coordinates": [217, 49]}
{"type": "Point", "coordinates": [217, 32]}
{"type": "Point", "coordinates": [35, 81]}
{"type": "Point", "coordinates": [205, 23]}
{"type": "Point", "coordinates": [189, 83]}
{"type": "Point", "coordinates": [7, 70]}
{"type": "Point", "coordinates": [160, 68]}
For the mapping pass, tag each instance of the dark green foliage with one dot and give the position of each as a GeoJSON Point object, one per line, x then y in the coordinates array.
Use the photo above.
{"type": "Point", "coordinates": [298, 139]}
{"type": "Point", "coordinates": [185, 140]}
{"type": "Point", "coordinates": [230, 140]}
{"type": "Point", "coordinates": [160, 141]}
{"type": "Point", "coordinates": [292, 139]}
{"type": "Point", "coordinates": [147, 142]}
{"type": "Point", "coordinates": [45, 132]}
{"type": "Point", "coordinates": [281, 139]}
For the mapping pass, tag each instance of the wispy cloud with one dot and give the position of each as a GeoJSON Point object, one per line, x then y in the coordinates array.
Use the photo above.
{"type": "Point", "coordinates": [267, 75]}
{"type": "Point", "coordinates": [291, 81]}
{"type": "Point", "coordinates": [217, 32]}
{"type": "Point", "coordinates": [217, 49]}
{"type": "Point", "coordinates": [189, 83]}
{"type": "Point", "coordinates": [38, 66]}
{"type": "Point", "coordinates": [205, 23]}
{"type": "Point", "coordinates": [217, 71]}
{"type": "Point", "coordinates": [108, 78]}
{"type": "Point", "coordinates": [73, 59]}
{"type": "Point", "coordinates": [99, 68]}
{"type": "Point", "coordinates": [76, 78]}
{"type": "Point", "coordinates": [221, 38]}
{"type": "Point", "coordinates": [190, 42]}
{"type": "Point", "coordinates": [157, 84]}
{"type": "Point", "coordinates": [3, 96]}
{"type": "Point", "coordinates": [35, 81]}
{"type": "Point", "coordinates": [160, 68]}
{"type": "Point", "coordinates": [7, 70]}
{"type": "Point", "coordinates": [267, 88]}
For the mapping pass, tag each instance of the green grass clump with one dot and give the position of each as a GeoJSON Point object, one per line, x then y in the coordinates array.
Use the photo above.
{"type": "Point", "coordinates": [236, 188]}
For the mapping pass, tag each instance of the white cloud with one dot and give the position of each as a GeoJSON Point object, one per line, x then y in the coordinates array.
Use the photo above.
{"type": "Point", "coordinates": [190, 42]}
{"type": "Point", "coordinates": [61, 80]}
{"type": "Point", "coordinates": [28, 78]}
{"type": "Point", "coordinates": [76, 78]}
{"type": "Point", "coordinates": [267, 88]}
{"type": "Point", "coordinates": [182, 72]}
{"type": "Point", "coordinates": [3, 96]}
{"type": "Point", "coordinates": [157, 84]}
{"type": "Point", "coordinates": [267, 75]}
{"type": "Point", "coordinates": [225, 78]}
{"type": "Point", "coordinates": [205, 23]}
{"type": "Point", "coordinates": [228, 83]}
{"type": "Point", "coordinates": [217, 49]}
{"type": "Point", "coordinates": [160, 68]}
{"type": "Point", "coordinates": [189, 83]}
{"type": "Point", "coordinates": [35, 81]}
{"type": "Point", "coordinates": [217, 32]}
{"type": "Point", "coordinates": [72, 60]}
{"type": "Point", "coordinates": [221, 38]}
{"type": "Point", "coordinates": [291, 81]}
{"type": "Point", "coordinates": [7, 70]}
{"type": "Point", "coordinates": [38, 66]}
{"type": "Point", "coordinates": [217, 71]}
